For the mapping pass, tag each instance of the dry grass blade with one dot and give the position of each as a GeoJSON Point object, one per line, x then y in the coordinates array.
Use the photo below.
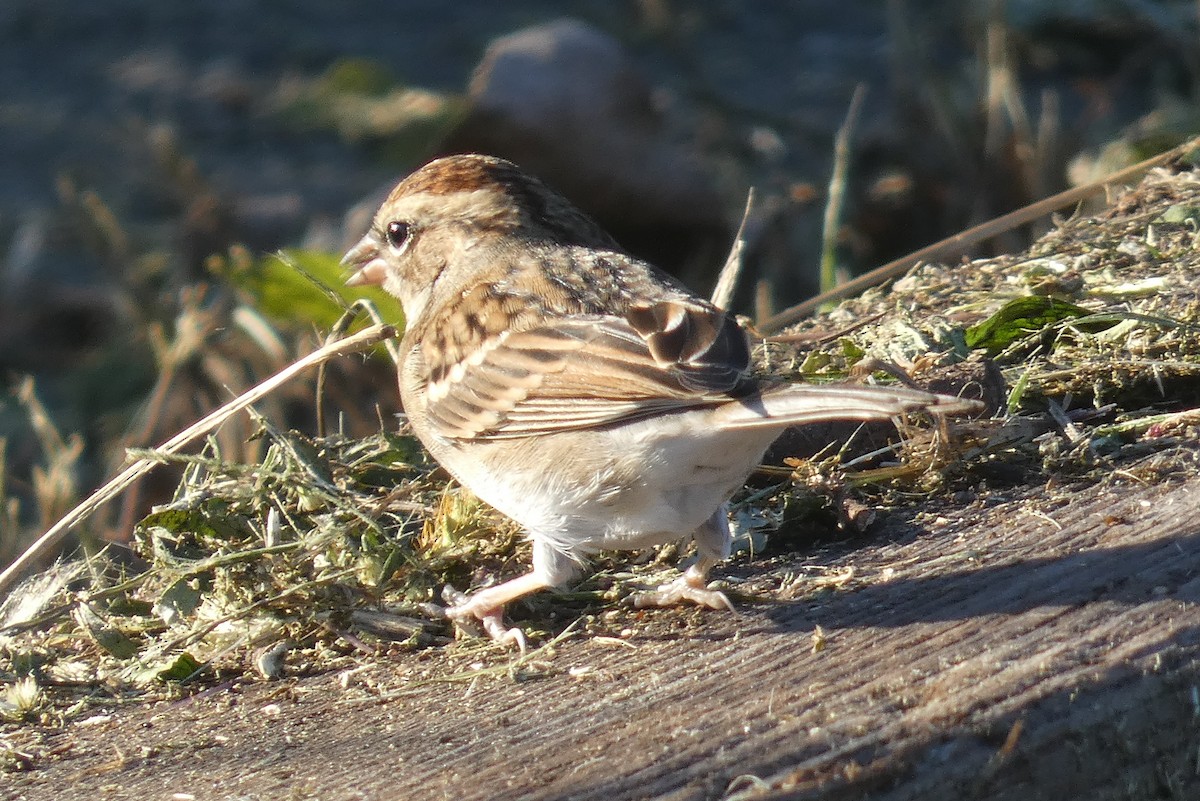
{"type": "Point", "coordinates": [723, 292]}
{"type": "Point", "coordinates": [831, 222]}
{"type": "Point", "coordinates": [113, 488]}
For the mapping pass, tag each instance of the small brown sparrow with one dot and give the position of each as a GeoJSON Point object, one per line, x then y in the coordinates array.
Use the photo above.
{"type": "Point", "coordinates": [582, 392]}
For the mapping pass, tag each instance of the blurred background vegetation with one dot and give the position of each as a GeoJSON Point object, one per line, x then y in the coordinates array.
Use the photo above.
{"type": "Point", "coordinates": [180, 179]}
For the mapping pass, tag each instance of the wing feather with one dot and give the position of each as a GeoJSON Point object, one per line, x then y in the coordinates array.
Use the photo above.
{"type": "Point", "coordinates": [586, 371]}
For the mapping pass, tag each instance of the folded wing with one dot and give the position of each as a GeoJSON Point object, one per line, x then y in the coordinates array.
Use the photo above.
{"type": "Point", "coordinates": [591, 370]}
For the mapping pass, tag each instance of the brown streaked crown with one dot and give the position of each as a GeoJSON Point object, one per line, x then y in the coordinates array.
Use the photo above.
{"type": "Point", "coordinates": [542, 212]}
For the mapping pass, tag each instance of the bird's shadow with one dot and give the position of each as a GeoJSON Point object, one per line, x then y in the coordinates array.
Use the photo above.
{"type": "Point", "coordinates": [1165, 567]}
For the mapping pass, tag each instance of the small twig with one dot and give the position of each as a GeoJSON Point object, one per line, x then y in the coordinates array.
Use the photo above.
{"type": "Point", "coordinates": [813, 339]}
{"type": "Point", "coordinates": [113, 488]}
{"type": "Point", "coordinates": [961, 241]}
{"type": "Point", "coordinates": [1059, 416]}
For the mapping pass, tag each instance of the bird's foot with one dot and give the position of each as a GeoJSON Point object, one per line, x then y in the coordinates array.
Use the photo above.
{"type": "Point", "coordinates": [464, 611]}
{"type": "Point", "coordinates": [691, 586]}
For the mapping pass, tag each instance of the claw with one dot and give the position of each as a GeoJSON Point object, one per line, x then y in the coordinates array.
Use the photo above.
{"type": "Point", "coordinates": [676, 592]}
{"type": "Point", "coordinates": [463, 610]}
{"type": "Point", "coordinates": [691, 586]}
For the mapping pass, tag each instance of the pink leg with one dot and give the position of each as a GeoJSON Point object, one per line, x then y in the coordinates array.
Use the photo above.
{"type": "Point", "coordinates": [712, 542]}
{"type": "Point", "coordinates": [551, 568]}
{"type": "Point", "coordinates": [487, 606]}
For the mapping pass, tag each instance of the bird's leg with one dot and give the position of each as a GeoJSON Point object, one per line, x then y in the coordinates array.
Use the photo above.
{"type": "Point", "coordinates": [487, 606]}
{"type": "Point", "coordinates": [712, 542]}
{"type": "Point", "coordinates": [551, 567]}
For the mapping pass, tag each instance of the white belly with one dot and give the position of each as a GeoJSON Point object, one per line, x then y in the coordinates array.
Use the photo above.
{"type": "Point", "coordinates": [626, 487]}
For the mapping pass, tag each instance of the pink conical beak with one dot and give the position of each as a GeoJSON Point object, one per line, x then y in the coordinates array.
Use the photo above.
{"type": "Point", "coordinates": [370, 268]}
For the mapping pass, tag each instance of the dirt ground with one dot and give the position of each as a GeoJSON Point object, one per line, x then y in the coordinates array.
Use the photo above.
{"type": "Point", "coordinates": [1034, 644]}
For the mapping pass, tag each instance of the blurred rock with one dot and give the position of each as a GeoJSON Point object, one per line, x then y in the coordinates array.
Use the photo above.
{"type": "Point", "coordinates": [566, 102]}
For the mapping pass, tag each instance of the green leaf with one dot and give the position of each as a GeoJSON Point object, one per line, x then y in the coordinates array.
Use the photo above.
{"type": "Point", "coordinates": [303, 287]}
{"type": "Point", "coordinates": [1018, 392]}
{"type": "Point", "coordinates": [182, 667]}
{"type": "Point", "coordinates": [1180, 213]}
{"type": "Point", "coordinates": [813, 362]}
{"type": "Point", "coordinates": [851, 350]}
{"type": "Point", "coordinates": [1019, 318]}
{"type": "Point", "coordinates": [209, 523]}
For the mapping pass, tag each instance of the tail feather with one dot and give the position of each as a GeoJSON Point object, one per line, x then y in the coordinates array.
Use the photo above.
{"type": "Point", "coordinates": [796, 404]}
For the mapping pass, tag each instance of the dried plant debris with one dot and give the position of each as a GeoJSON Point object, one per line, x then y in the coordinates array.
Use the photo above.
{"type": "Point", "coordinates": [326, 546]}
{"type": "Point", "coordinates": [326, 552]}
{"type": "Point", "coordinates": [1094, 334]}
{"type": "Point", "coordinates": [330, 550]}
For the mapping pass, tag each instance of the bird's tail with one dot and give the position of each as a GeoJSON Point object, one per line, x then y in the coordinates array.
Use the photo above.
{"type": "Point", "coordinates": [796, 404]}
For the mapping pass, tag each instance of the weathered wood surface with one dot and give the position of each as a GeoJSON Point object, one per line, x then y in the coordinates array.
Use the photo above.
{"type": "Point", "coordinates": [1021, 650]}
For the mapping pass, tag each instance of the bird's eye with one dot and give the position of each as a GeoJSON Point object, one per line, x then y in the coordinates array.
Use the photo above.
{"type": "Point", "coordinates": [397, 233]}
